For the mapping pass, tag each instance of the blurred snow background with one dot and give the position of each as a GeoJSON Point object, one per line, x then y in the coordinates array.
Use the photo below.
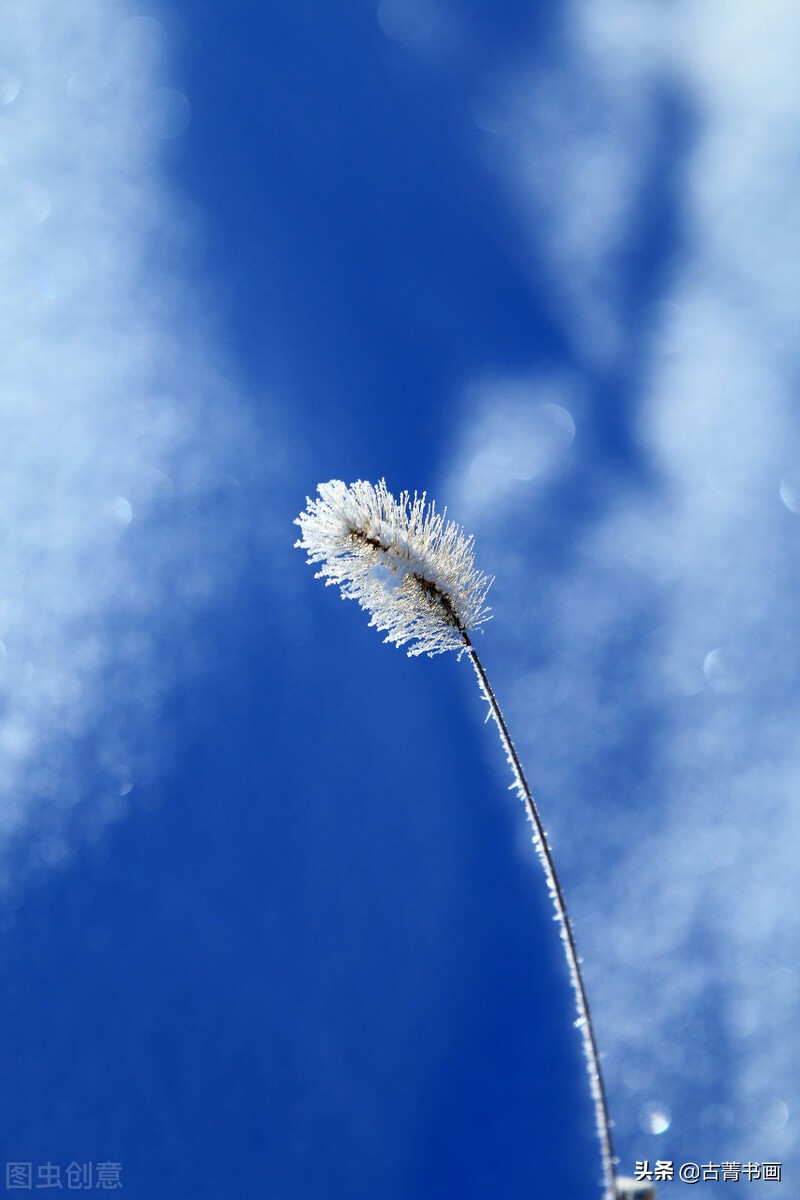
{"type": "Point", "coordinates": [120, 502]}
{"type": "Point", "coordinates": [649, 650]}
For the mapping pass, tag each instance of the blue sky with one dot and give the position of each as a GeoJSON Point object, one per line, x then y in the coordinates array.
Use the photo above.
{"type": "Point", "coordinates": [271, 922]}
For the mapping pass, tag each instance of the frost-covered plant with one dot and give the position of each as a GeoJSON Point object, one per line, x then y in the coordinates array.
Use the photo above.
{"type": "Point", "coordinates": [401, 560]}
{"type": "Point", "coordinates": [414, 572]}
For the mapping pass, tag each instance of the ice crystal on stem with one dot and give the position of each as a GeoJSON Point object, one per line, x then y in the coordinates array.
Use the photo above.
{"type": "Point", "coordinates": [414, 571]}
{"type": "Point", "coordinates": [406, 564]}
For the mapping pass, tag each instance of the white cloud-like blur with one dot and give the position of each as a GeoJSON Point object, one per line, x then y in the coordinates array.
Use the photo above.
{"type": "Point", "coordinates": [651, 674]}
{"type": "Point", "coordinates": [519, 431]}
{"type": "Point", "coordinates": [119, 497]}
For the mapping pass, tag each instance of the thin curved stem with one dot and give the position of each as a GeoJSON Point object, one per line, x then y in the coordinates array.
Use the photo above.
{"type": "Point", "coordinates": [584, 1022]}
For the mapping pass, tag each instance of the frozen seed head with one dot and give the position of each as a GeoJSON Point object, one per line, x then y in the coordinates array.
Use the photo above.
{"type": "Point", "coordinates": [401, 560]}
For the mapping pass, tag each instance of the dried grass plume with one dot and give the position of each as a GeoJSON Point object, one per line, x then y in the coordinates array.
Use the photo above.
{"type": "Point", "coordinates": [414, 572]}
{"type": "Point", "coordinates": [405, 563]}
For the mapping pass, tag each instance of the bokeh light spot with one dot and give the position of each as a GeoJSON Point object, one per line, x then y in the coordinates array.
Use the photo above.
{"type": "Point", "coordinates": [716, 1116]}
{"type": "Point", "coordinates": [773, 1116]}
{"type": "Point", "coordinates": [519, 438]}
{"type": "Point", "coordinates": [637, 1074]}
{"type": "Point", "coordinates": [165, 113]}
{"type": "Point", "coordinates": [655, 1117]}
{"type": "Point", "coordinates": [725, 669]}
{"type": "Point", "coordinates": [790, 490]}
{"type": "Point", "coordinates": [141, 42]}
{"type": "Point", "coordinates": [122, 511]}
{"type": "Point", "coordinates": [9, 87]}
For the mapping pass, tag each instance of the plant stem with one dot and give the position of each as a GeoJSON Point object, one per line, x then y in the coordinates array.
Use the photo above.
{"type": "Point", "coordinates": [584, 1022]}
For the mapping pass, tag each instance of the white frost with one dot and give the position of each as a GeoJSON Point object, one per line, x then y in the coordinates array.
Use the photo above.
{"type": "Point", "coordinates": [403, 562]}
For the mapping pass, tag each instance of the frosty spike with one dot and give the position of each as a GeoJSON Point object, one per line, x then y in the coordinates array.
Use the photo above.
{"type": "Point", "coordinates": [406, 564]}
{"type": "Point", "coordinates": [414, 572]}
